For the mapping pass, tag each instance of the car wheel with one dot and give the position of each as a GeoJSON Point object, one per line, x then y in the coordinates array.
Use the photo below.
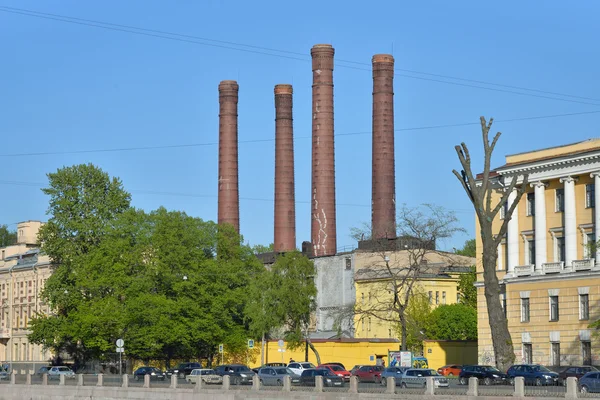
{"type": "Point", "coordinates": [462, 380]}
{"type": "Point", "coordinates": [538, 382]}
{"type": "Point", "coordinates": [377, 379]}
{"type": "Point", "coordinates": [383, 382]}
{"type": "Point", "coordinates": [511, 381]}
{"type": "Point", "coordinates": [487, 381]}
{"type": "Point", "coordinates": [584, 389]}
{"type": "Point", "coordinates": [260, 381]}
{"type": "Point", "coordinates": [403, 385]}
{"type": "Point", "coordinates": [136, 377]}
{"type": "Point", "coordinates": [450, 374]}
{"type": "Point", "coordinates": [236, 381]}
{"type": "Point", "coordinates": [279, 382]}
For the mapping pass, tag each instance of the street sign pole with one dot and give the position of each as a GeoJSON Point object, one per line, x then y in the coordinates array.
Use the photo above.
{"type": "Point", "coordinates": [120, 349]}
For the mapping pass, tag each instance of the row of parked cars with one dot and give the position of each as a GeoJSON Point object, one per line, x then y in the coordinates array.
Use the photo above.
{"type": "Point", "coordinates": [533, 374]}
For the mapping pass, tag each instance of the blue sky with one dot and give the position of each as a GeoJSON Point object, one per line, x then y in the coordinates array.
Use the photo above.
{"type": "Point", "coordinates": [70, 87]}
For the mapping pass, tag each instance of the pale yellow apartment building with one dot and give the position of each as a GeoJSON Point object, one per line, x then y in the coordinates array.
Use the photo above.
{"type": "Point", "coordinates": [23, 272]}
{"type": "Point", "coordinates": [438, 280]}
{"type": "Point", "coordinates": [549, 272]}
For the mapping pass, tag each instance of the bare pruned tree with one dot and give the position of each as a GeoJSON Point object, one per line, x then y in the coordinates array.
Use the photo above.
{"type": "Point", "coordinates": [392, 274]}
{"type": "Point", "coordinates": [480, 190]}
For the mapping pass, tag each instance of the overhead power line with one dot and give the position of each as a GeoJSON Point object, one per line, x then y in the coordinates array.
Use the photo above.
{"type": "Point", "coordinates": [291, 54]}
{"type": "Point", "coordinates": [184, 145]}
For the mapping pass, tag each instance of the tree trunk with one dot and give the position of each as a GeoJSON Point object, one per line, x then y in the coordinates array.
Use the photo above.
{"type": "Point", "coordinates": [501, 339]}
{"type": "Point", "coordinates": [403, 331]}
{"type": "Point", "coordinates": [313, 348]}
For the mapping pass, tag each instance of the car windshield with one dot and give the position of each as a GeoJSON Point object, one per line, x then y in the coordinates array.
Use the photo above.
{"type": "Point", "coordinates": [63, 369]}
{"type": "Point", "coordinates": [490, 369]}
{"type": "Point", "coordinates": [154, 369]}
{"type": "Point", "coordinates": [323, 372]}
{"type": "Point", "coordinates": [336, 368]}
{"type": "Point", "coordinates": [307, 365]}
{"type": "Point", "coordinates": [539, 368]}
{"type": "Point", "coordinates": [241, 368]}
{"type": "Point", "coordinates": [208, 372]}
{"type": "Point", "coordinates": [428, 372]}
{"type": "Point", "coordinates": [282, 371]}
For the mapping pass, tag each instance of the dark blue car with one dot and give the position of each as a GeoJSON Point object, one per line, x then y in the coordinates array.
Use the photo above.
{"type": "Point", "coordinates": [534, 374]}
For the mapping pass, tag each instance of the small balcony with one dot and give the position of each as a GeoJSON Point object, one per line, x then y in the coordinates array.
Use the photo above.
{"type": "Point", "coordinates": [553, 267]}
{"type": "Point", "coordinates": [583, 265]}
{"type": "Point", "coordinates": [4, 333]}
{"type": "Point", "coordinates": [524, 270]}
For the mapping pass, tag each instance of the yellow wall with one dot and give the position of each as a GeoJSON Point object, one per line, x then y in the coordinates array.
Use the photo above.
{"type": "Point", "coordinates": [444, 352]}
{"type": "Point", "coordinates": [552, 152]}
{"type": "Point", "coordinates": [347, 351]}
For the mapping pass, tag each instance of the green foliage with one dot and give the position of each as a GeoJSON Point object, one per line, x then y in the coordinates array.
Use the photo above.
{"type": "Point", "coordinates": [417, 316]}
{"type": "Point", "coordinates": [467, 290]}
{"type": "Point", "coordinates": [452, 322]}
{"type": "Point", "coordinates": [469, 249]}
{"type": "Point", "coordinates": [7, 237]}
{"type": "Point", "coordinates": [260, 248]}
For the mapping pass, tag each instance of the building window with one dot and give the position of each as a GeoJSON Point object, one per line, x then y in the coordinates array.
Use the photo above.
{"type": "Point", "coordinates": [503, 210]}
{"type": "Point", "coordinates": [443, 297]}
{"type": "Point", "coordinates": [503, 303]}
{"type": "Point", "coordinates": [584, 307]}
{"type": "Point", "coordinates": [555, 353]}
{"type": "Point", "coordinates": [530, 204]}
{"type": "Point", "coordinates": [458, 297]}
{"type": "Point", "coordinates": [590, 195]}
{"type": "Point", "coordinates": [430, 296]}
{"type": "Point", "coordinates": [531, 251]}
{"type": "Point", "coordinates": [553, 308]}
{"type": "Point", "coordinates": [527, 353]}
{"type": "Point", "coordinates": [348, 264]}
{"type": "Point", "coordinates": [586, 352]}
{"type": "Point", "coordinates": [369, 327]}
{"type": "Point", "coordinates": [362, 298]}
{"type": "Point", "coordinates": [559, 204]}
{"type": "Point", "coordinates": [525, 309]}
{"type": "Point", "coordinates": [437, 297]}
{"type": "Point", "coordinates": [362, 324]}
{"type": "Point", "coordinates": [589, 248]}
{"type": "Point", "coordinates": [560, 249]}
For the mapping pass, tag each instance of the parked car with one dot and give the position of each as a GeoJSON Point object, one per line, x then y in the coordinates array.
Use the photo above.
{"type": "Point", "coordinates": [329, 379]}
{"type": "Point", "coordinates": [56, 372]}
{"type": "Point", "coordinates": [273, 376]}
{"type": "Point", "coordinates": [534, 374]}
{"type": "Point", "coordinates": [238, 374]}
{"type": "Point", "coordinates": [392, 372]}
{"type": "Point", "coordinates": [450, 370]}
{"type": "Point", "coordinates": [267, 365]}
{"type": "Point", "coordinates": [369, 373]}
{"type": "Point", "coordinates": [42, 371]}
{"type": "Point", "coordinates": [590, 382]}
{"type": "Point", "coordinates": [155, 374]}
{"type": "Point", "coordinates": [4, 375]}
{"type": "Point", "coordinates": [207, 376]}
{"type": "Point", "coordinates": [298, 367]}
{"type": "Point", "coordinates": [486, 374]}
{"type": "Point", "coordinates": [337, 363]}
{"type": "Point", "coordinates": [183, 369]}
{"type": "Point", "coordinates": [577, 372]}
{"type": "Point", "coordinates": [417, 377]}
{"type": "Point", "coordinates": [336, 370]}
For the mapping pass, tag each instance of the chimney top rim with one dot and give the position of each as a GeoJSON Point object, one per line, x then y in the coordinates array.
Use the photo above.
{"type": "Point", "coordinates": [284, 88]}
{"type": "Point", "coordinates": [227, 82]}
{"type": "Point", "coordinates": [322, 45]}
{"type": "Point", "coordinates": [383, 58]}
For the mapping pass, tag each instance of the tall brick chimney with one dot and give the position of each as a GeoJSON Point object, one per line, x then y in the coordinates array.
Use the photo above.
{"type": "Point", "coordinates": [383, 196]}
{"type": "Point", "coordinates": [229, 201]}
{"type": "Point", "coordinates": [285, 207]}
{"type": "Point", "coordinates": [323, 222]}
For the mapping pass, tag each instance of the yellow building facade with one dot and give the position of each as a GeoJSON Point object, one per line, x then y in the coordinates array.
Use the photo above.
{"type": "Point", "coordinates": [437, 280]}
{"type": "Point", "coordinates": [548, 262]}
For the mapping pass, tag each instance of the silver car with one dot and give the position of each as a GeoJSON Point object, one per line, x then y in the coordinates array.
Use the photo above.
{"type": "Point", "coordinates": [273, 376]}
{"type": "Point", "coordinates": [417, 378]}
{"type": "Point", "coordinates": [56, 372]}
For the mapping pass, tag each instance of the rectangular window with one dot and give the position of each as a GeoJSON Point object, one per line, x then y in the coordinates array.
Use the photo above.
{"type": "Point", "coordinates": [369, 327]}
{"type": "Point", "coordinates": [527, 353]}
{"type": "Point", "coordinates": [503, 210]}
{"type": "Point", "coordinates": [530, 204]}
{"type": "Point", "coordinates": [503, 300]}
{"type": "Point", "coordinates": [362, 298]}
{"type": "Point", "coordinates": [555, 347]}
{"type": "Point", "coordinates": [531, 251]}
{"type": "Point", "coordinates": [589, 249]}
{"type": "Point", "coordinates": [553, 308]}
{"type": "Point", "coordinates": [458, 297]}
{"type": "Point", "coordinates": [586, 353]}
{"type": "Point", "coordinates": [559, 205]}
{"type": "Point", "coordinates": [584, 307]}
{"type": "Point", "coordinates": [437, 297]}
{"type": "Point", "coordinates": [525, 309]}
{"type": "Point", "coordinates": [443, 297]}
{"type": "Point", "coordinates": [430, 296]}
{"type": "Point", "coordinates": [590, 195]}
{"type": "Point", "coordinates": [560, 249]}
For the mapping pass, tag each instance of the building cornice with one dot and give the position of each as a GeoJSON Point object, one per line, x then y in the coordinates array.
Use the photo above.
{"type": "Point", "coordinates": [595, 273]}
{"type": "Point", "coordinates": [555, 168]}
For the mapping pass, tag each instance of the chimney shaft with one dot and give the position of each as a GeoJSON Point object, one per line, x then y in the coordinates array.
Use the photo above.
{"type": "Point", "coordinates": [323, 219]}
{"type": "Point", "coordinates": [285, 211]}
{"type": "Point", "coordinates": [229, 203]}
{"type": "Point", "coordinates": [383, 198]}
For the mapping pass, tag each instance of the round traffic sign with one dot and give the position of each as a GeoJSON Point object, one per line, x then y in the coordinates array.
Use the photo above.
{"type": "Point", "coordinates": [281, 343]}
{"type": "Point", "coordinates": [120, 342]}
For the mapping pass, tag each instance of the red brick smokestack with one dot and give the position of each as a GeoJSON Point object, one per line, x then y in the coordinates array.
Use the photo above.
{"type": "Point", "coordinates": [383, 197]}
{"type": "Point", "coordinates": [285, 207]}
{"type": "Point", "coordinates": [323, 226]}
{"type": "Point", "coordinates": [229, 201]}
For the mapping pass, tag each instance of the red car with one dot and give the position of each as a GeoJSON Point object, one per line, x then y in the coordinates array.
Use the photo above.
{"type": "Point", "coordinates": [336, 370]}
{"type": "Point", "coordinates": [369, 373]}
{"type": "Point", "coordinates": [450, 370]}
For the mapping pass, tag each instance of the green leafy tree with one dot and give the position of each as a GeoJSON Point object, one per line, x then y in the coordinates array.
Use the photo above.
{"type": "Point", "coordinates": [452, 322]}
{"type": "Point", "coordinates": [469, 249]}
{"type": "Point", "coordinates": [7, 237]}
{"type": "Point", "coordinates": [467, 290]}
{"type": "Point", "coordinates": [261, 248]}
{"type": "Point", "coordinates": [417, 316]}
